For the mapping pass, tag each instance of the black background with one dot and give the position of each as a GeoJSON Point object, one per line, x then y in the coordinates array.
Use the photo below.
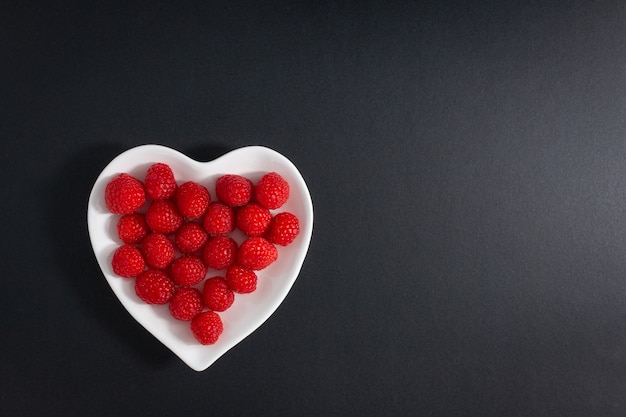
{"type": "Point", "coordinates": [467, 164]}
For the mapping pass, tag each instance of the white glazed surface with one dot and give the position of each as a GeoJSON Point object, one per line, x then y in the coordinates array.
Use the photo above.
{"type": "Point", "coordinates": [248, 311]}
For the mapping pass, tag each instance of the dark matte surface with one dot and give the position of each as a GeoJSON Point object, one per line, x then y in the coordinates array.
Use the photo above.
{"type": "Point", "coordinates": [467, 165]}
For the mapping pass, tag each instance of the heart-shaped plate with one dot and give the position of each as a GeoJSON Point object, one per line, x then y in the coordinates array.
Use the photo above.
{"type": "Point", "coordinates": [248, 311]}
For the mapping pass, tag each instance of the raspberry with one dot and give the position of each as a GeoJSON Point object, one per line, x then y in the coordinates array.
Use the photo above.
{"type": "Point", "coordinates": [154, 287]}
{"type": "Point", "coordinates": [233, 190]}
{"type": "Point", "coordinates": [158, 250]}
{"type": "Point", "coordinates": [127, 261]}
{"type": "Point", "coordinates": [252, 219]}
{"type": "Point", "coordinates": [256, 253]}
{"type": "Point", "coordinates": [124, 194]}
{"type": "Point", "coordinates": [241, 280]}
{"type": "Point", "coordinates": [192, 199]}
{"type": "Point", "coordinates": [160, 182]}
{"type": "Point", "coordinates": [272, 191]}
{"type": "Point", "coordinates": [217, 296]}
{"type": "Point", "coordinates": [187, 270]}
{"type": "Point", "coordinates": [283, 229]}
{"type": "Point", "coordinates": [163, 217]}
{"type": "Point", "coordinates": [219, 219]}
{"type": "Point", "coordinates": [220, 252]}
{"type": "Point", "coordinates": [190, 238]}
{"type": "Point", "coordinates": [186, 304]}
{"type": "Point", "coordinates": [207, 327]}
{"type": "Point", "coordinates": [132, 228]}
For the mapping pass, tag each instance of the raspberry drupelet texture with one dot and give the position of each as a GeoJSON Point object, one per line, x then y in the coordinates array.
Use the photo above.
{"type": "Point", "coordinates": [186, 303]}
{"type": "Point", "coordinates": [154, 287]}
{"type": "Point", "coordinates": [219, 220]}
{"type": "Point", "coordinates": [124, 194]}
{"type": "Point", "coordinates": [220, 252]}
{"type": "Point", "coordinates": [132, 228]}
{"type": "Point", "coordinates": [158, 250]}
{"type": "Point", "coordinates": [241, 280]}
{"type": "Point", "coordinates": [233, 190]}
{"type": "Point", "coordinates": [127, 261]}
{"type": "Point", "coordinates": [217, 296]}
{"type": "Point", "coordinates": [160, 183]}
{"type": "Point", "coordinates": [256, 253]}
{"type": "Point", "coordinates": [192, 199]}
{"type": "Point", "coordinates": [252, 219]}
{"type": "Point", "coordinates": [163, 217]}
{"type": "Point", "coordinates": [207, 327]}
{"type": "Point", "coordinates": [190, 237]}
{"type": "Point", "coordinates": [187, 270]}
{"type": "Point", "coordinates": [271, 191]}
{"type": "Point", "coordinates": [283, 229]}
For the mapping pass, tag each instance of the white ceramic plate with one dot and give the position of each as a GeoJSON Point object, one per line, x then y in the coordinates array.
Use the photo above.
{"type": "Point", "coordinates": [248, 311]}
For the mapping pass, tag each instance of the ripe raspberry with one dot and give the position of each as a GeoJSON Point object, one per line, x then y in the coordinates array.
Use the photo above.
{"type": "Point", "coordinates": [241, 280]}
{"type": "Point", "coordinates": [233, 190]}
{"type": "Point", "coordinates": [219, 219]}
{"type": "Point", "coordinates": [157, 250]}
{"type": "Point", "coordinates": [220, 252]}
{"type": "Point", "coordinates": [154, 287]}
{"type": "Point", "coordinates": [160, 182]}
{"type": "Point", "coordinates": [132, 228]}
{"type": "Point", "coordinates": [163, 217]}
{"type": "Point", "coordinates": [124, 194]}
{"type": "Point", "coordinates": [252, 219]}
{"type": "Point", "coordinates": [127, 261]}
{"type": "Point", "coordinates": [217, 296]}
{"type": "Point", "coordinates": [256, 253]}
{"type": "Point", "coordinates": [187, 270]}
{"type": "Point", "coordinates": [207, 327]}
{"type": "Point", "coordinates": [190, 238]}
{"type": "Point", "coordinates": [272, 191]}
{"type": "Point", "coordinates": [186, 304]}
{"type": "Point", "coordinates": [283, 229]}
{"type": "Point", "coordinates": [192, 199]}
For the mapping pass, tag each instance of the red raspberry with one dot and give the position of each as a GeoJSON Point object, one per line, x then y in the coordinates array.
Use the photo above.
{"type": "Point", "coordinates": [256, 253]}
{"type": "Point", "coordinates": [233, 190]}
{"type": "Point", "coordinates": [124, 194]}
{"type": "Point", "coordinates": [219, 219]}
{"type": "Point", "coordinates": [220, 252]}
{"type": "Point", "coordinates": [163, 217]}
{"type": "Point", "coordinates": [272, 191]}
{"type": "Point", "coordinates": [188, 270]}
{"type": "Point", "coordinates": [253, 220]}
{"type": "Point", "coordinates": [190, 238]}
{"type": "Point", "coordinates": [154, 287]}
{"type": "Point", "coordinates": [160, 182]}
{"type": "Point", "coordinates": [158, 250]}
{"type": "Point", "coordinates": [132, 228]}
{"type": "Point", "coordinates": [283, 229]}
{"type": "Point", "coordinates": [127, 261]}
{"type": "Point", "coordinates": [241, 280]}
{"type": "Point", "coordinates": [186, 304]}
{"type": "Point", "coordinates": [192, 199]}
{"type": "Point", "coordinates": [207, 327]}
{"type": "Point", "coordinates": [217, 295]}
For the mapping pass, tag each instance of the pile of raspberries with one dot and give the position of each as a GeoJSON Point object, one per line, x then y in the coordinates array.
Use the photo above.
{"type": "Point", "coordinates": [175, 235]}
